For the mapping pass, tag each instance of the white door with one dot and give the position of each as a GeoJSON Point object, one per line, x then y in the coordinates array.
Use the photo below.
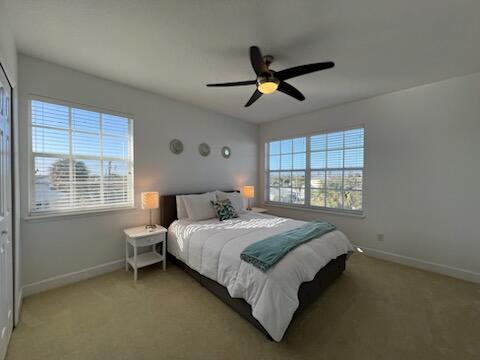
{"type": "Point", "coordinates": [6, 253]}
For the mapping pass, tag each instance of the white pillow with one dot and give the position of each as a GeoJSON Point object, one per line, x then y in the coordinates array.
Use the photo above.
{"type": "Point", "coordinates": [235, 198]}
{"type": "Point", "coordinates": [181, 211]}
{"type": "Point", "coordinates": [200, 207]}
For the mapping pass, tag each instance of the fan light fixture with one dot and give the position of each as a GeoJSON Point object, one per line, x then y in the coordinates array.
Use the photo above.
{"type": "Point", "coordinates": [267, 86]}
{"type": "Point", "coordinates": [268, 81]}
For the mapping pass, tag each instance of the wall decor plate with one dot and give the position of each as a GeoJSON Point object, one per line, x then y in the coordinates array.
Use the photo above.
{"type": "Point", "coordinates": [176, 146]}
{"type": "Point", "coordinates": [204, 149]}
{"type": "Point", "coordinates": [226, 152]}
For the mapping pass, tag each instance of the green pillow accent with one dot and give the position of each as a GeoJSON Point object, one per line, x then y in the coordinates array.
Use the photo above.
{"type": "Point", "coordinates": [224, 209]}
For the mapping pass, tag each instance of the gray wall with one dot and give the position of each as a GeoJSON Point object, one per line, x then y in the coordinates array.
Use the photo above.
{"type": "Point", "coordinates": [422, 171]}
{"type": "Point", "coordinates": [53, 247]}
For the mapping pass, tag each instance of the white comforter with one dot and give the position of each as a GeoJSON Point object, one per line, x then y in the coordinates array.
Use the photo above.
{"type": "Point", "coordinates": [213, 249]}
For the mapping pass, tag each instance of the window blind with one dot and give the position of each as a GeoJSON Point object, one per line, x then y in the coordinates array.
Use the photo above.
{"type": "Point", "coordinates": [81, 159]}
{"type": "Point", "coordinates": [323, 170]}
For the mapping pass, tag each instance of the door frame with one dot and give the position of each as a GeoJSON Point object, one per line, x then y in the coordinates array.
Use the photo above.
{"type": "Point", "coordinates": [13, 197]}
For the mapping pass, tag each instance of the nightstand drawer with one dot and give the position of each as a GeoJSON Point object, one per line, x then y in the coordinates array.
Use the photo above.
{"type": "Point", "coordinates": [147, 240]}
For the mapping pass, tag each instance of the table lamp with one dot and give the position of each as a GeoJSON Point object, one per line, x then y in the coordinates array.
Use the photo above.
{"type": "Point", "coordinates": [249, 193]}
{"type": "Point", "coordinates": [150, 201]}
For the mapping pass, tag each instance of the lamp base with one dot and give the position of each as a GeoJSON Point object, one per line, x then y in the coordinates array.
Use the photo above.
{"type": "Point", "coordinates": [249, 207]}
{"type": "Point", "coordinates": [150, 226]}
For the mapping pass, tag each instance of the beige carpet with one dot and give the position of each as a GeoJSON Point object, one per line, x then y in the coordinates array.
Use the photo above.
{"type": "Point", "coordinates": [376, 310]}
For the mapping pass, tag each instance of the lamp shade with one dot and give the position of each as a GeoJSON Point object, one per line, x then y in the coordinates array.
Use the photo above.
{"type": "Point", "coordinates": [249, 191]}
{"type": "Point", "coordinates": [150, 200]}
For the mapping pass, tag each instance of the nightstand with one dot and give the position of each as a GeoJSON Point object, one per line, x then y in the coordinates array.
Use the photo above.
{"type": "Point", "coordinates": [141, 237]}
{"type": "Point", "coordinates": [258, 210]}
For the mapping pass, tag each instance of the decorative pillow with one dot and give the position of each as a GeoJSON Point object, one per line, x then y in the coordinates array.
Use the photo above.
{"type": "Point", "coordinates": [235, 198]}
{"type": "Point", "coordinates": [224, 209]}
{"type": "Point", "coordinates": [199, 207]}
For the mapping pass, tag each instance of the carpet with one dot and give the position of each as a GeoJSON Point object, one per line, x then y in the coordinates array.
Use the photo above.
{"type": "Point", "coordinates": [375, 310]}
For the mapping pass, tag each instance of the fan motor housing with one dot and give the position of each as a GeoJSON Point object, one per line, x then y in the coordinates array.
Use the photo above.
{"type": "Point", "coordinates": [268, 59]}
{"type": "Point", "coordinates": [267, 78]}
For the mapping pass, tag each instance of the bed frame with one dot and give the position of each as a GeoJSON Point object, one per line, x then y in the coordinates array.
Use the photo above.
{"type": "Point", "coordinates": [307, 292]}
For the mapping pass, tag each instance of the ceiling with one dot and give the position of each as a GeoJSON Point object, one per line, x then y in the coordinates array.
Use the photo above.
{"type": "Point", "coordinates": [175, 47]}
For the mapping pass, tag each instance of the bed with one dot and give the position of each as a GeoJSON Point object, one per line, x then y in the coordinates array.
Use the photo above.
{"type": "Point", "coordinates": [209, 250]}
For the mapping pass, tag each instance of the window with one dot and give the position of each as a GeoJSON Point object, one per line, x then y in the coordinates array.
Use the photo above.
{"type": "Point", "coordinates": [322, 170]}
{"type": "Point", "coordinates": [287, 171]}
{"type": "Point", "coordinates": [81, 159]}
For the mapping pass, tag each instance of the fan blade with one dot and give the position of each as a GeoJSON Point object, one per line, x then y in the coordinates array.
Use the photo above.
{"type": "Point", "coordinates": [302, 70]}
{"type": "Point", "coordinates": [256, 59]}
{"type": "Point", "coordinates": [238, 83]}
{"type": "Point", "coordinates": [288, 89]}
{"type": "Point", "coordinates": [256, 95]}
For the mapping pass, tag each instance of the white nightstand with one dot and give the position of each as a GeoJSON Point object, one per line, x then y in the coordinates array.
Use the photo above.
{"type": "Point", "coordinates": [140, 237]}
{"type": "Point", "coordinates": [258, 210]}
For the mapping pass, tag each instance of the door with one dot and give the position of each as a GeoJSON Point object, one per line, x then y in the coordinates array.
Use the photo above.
{"type": "Point", "coordinates": [6, 253]}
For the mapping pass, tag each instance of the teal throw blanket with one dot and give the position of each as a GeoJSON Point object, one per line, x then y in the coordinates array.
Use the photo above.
{"type": "Point", "coordinates": [267, 252]}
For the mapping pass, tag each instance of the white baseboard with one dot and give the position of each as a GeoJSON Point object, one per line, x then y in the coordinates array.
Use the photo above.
{"type": "Point", "coordinates": [62, 280]}
{"type": "Point", "coordinates": [424, 265]}
{"type": "Point", "coordinates": [18, 309]}
{"type": "Point", "coordinates": [65, 279]}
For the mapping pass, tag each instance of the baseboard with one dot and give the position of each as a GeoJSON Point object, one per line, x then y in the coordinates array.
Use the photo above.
{"type": "Point", "coordinates": [18, 308]}
{"type": "Point", "coordinates": [61, 280]}
{"type": "Point", "coordinates": [3, 353]}
{"type": "Point", "coordinates": [65, 279]}
{"type": "Point", "coordinates": [424, 265]}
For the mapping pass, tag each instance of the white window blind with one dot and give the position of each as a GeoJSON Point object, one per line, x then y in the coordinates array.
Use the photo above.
{"type": "Point", "coordinates": [81, 159]}
{"type": "Point", "coordinates": [327, 172]}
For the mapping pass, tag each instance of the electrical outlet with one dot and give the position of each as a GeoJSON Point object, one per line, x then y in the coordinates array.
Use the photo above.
{"type": "Point", "coordinates": [380, 237]}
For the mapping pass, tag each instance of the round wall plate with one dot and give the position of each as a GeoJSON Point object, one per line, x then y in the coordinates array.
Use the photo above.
{"type": "Point", "coordinates": [226, 152]}
{"type": "Point", "coordinates": [176, 146]}
{"type": "Point", "coordinates": [204, 149]}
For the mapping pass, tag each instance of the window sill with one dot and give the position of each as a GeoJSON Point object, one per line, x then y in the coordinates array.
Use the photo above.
{"type": "Point", "coordinates": [354, 214]}
{"type": "Point", "coordinates": [74, 214]}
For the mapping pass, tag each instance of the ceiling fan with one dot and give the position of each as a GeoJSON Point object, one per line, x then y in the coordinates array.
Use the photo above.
{"type": "Point", "coordinates": [268, 80]}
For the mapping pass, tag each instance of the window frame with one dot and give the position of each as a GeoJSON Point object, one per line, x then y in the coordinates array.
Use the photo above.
{"type": "Point", "coordinates": [307, 207]}
{"type": "Point", "coordinates": [31, 214]}
{"type": "Point", "coordinates": [292, 170]}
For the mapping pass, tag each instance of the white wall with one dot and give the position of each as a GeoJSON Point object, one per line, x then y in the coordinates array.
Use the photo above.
{"type": "Point", "coordinates": [422, 173]}
{"type": "Point", "coordinates": [58, 246]}
{"type": "Point", "coordinates": [422, 169]}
